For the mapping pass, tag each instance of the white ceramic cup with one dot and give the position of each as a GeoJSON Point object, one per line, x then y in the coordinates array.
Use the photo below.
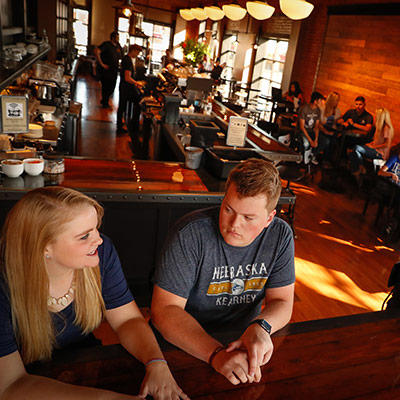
{"type": "Point", "coordinates": [33, 166]}
{"type": "Point", "coordinates": [12, 168]}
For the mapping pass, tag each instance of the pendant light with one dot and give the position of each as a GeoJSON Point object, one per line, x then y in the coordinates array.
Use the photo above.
{"type": "Point", "coordinates": [259, 9]}
{"type": "Point", "coordinates": [296, 9]}
{"type": "Point", "coordinates": [199, 13]}
{"type": "Point", "coordinates": [234, 12]}
{"type": "Point", "coordinates": [186, 14]}
{"type": "Point", "coordinates": [214, 13]}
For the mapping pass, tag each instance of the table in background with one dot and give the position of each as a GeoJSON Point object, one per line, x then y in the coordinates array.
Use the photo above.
{"type": "Point", "coordinates": [335, 358]}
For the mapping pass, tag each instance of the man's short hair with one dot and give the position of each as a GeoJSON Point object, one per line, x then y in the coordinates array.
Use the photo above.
{"type": "Point", "coordinates": [316, 96]}
{"type": "Point", "coordinates": [360, 98]}
{"type": "Point", "coordinates": [135, 47]}
{"type": "Point", "coordinates": [257, 177]}
{"type": "Point", "coordinates": [113, 35]}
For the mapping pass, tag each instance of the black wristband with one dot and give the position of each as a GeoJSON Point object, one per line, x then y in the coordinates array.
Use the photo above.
{"type": "Point", "coordinates": [264, 324]}
{"type": "Point", "coordinates": [214, 353]}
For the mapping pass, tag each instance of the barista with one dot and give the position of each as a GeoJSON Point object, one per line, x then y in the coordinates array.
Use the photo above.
{"type": "Point", "coordinates": [129, 90]}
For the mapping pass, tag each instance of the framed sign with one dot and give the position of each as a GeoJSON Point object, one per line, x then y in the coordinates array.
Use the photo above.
{"type": "Point", "coordinates": [14, 114]}
{"type": "Point", "coordinates": [237, 131]}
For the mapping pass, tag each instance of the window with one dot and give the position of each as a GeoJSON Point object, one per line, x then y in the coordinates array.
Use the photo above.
{"type": "Point", "coordinates": [268, 67]}
{"type": "Point", "coordinates": [228, 54]}
{"type": "Point", "coordinates": [81, 30]}
{"type": "Point", "coordinates": [123, 31]}
{"type": "Point", "coordinates": [202, 31]}
{"type": "Point", "coordinates": [159, 40]}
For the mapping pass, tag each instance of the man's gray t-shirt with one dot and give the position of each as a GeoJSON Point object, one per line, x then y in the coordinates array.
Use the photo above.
{"type": "Point", "coordinates": [224, 285]}
{"type": "Point", "coordinates": [310, 116]}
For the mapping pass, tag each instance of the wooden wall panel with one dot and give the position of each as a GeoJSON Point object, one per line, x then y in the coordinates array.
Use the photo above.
{"type": "Point", "coordinates": [360, 57]}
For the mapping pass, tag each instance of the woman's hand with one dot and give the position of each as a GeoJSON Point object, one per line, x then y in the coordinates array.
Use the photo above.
{"type": "Point", "coordinates": [159, 383]}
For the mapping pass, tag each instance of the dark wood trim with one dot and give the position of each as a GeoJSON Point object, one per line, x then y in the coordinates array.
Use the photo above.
{"type": "Point", "coordinates": [365, 9]}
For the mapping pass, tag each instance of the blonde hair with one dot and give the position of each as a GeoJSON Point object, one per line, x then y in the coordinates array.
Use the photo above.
{"type": "Point", "coordinates": [382, 119]}
{"type": "Point", "coordinates": [257, 177]}
{"type": "Point", "coordinates": [331, 102]}
{"type": "Point", "coordinates": [36, 220]}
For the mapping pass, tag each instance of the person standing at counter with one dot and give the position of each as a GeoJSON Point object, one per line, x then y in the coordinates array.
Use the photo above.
{"type": "Point", "coordinates": [108, 55]}
{"type": "Point", "coordinates": [58, 278]}
{"type": "Point", "coordinates": [129, 90]}
{"type": "Point", "coordinates": [217, 268]}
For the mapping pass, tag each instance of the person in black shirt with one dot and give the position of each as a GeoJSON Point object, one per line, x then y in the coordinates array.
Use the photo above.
{"type": "Point", "coordinates": [217, 71]}
{"type": "Point", "coordinates": [129, 90]}
{"type": "Point", "coordinates": [108, 55]}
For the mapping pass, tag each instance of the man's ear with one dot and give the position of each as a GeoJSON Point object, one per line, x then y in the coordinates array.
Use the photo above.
{"type": "Point", "coordinates": [270, 217]}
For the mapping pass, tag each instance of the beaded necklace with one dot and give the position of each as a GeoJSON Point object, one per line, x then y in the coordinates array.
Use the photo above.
{"type": "Point", "coordinates": [63, 300]}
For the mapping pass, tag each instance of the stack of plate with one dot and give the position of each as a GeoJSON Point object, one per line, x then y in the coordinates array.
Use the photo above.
{"type": "Point", "coordinates": [35, 131]}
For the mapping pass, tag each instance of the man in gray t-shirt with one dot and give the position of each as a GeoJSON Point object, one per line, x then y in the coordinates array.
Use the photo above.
{"type": "Point", "coordinates": [217, 268]}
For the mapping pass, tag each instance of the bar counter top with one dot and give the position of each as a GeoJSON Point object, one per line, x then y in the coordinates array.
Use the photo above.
{"type": "Point", "coordinates": [349, 357]}
{"type": "Point", "coordinates": [125, 181]}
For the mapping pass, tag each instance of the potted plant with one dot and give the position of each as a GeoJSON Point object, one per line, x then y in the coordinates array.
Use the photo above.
{"type": "Point", "coordinates": [194, 51]}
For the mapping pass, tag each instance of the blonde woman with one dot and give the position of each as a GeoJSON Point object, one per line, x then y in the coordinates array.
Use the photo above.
{"type": "Point", "coordinates": [58, 279]}
{"type": "Point", "coordinates": [379, 148]}
{"type": "Point", "coordinates": [330, 113]}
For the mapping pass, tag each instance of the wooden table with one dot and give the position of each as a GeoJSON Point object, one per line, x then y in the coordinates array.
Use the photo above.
{"type": "Point", "coordinates": [338, 358]}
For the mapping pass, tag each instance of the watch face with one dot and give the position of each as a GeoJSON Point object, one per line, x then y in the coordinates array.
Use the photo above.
{"type": "Point", "coordinates": [266, 325]}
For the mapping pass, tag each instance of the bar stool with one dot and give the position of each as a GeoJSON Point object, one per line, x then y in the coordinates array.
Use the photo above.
{"type": "Point", "coordinates": [290, 172]}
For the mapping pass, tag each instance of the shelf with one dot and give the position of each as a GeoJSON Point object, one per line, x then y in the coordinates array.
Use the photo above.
{"type": "Point", "coordinates": [12, 30]}
{"type": "Point", "coordinates": [8, 76]}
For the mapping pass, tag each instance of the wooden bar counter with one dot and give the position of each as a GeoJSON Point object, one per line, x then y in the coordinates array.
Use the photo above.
{"type": "Point", "coordinates": [338, 358]}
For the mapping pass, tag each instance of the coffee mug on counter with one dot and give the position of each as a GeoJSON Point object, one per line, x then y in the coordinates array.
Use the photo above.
{"type": "Point", "coordinates": [12, 168]}
{"type": "Point", "coordinates": [33, 166]}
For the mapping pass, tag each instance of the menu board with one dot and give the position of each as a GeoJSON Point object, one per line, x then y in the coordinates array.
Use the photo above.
{"type": "Point", "coordinates": [237, 131]}
{"type": "Point", "coordinates": [14, 114]}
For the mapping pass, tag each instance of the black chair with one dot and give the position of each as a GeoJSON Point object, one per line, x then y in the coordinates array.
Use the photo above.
{"type": "Point", "coordinates": [290, 172]}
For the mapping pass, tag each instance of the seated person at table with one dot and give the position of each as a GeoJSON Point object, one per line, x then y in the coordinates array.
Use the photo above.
{"type": "Point", "coordinates": [308, 125]}
{"type": "Point", "coordinates": [379, 148]}
{"type": "Point", "coordinates": [218, 266]}
{"type": "Point", "coordinates": [330, 113]}
{"type": "Point", "coordinates": [358, 118]}
{"type": "Point", "coordinates": [391, 168]}
{"type": "Point", "coordinates": [58, 278]}
{"type": "Point", "coordinates": [294, 96]}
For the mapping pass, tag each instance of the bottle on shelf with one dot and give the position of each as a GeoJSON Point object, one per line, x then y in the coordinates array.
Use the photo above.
{"type": "Point", "coordinates": [45, 38]}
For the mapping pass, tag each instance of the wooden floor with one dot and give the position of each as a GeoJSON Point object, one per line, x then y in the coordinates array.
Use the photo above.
{"type": "Point", "coordinates": [342, 267]}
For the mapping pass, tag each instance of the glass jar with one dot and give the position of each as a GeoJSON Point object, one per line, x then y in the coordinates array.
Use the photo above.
{"type": "Point", "coordinates": [53, 163]}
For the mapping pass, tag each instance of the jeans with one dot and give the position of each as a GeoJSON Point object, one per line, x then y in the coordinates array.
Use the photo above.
{"type": "Point", "coordinates": [325, 144]}
{"type": "Point", "coordinates": [359, 152]}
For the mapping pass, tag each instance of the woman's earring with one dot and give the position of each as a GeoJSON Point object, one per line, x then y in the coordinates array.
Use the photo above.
{"type": "Point", "coordinates": [47, 256]}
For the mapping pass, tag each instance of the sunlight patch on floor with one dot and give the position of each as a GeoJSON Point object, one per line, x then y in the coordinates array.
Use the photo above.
{"type": "Point", "coordinates": [337, 240]}
{"type": "Point", "coordinates": [336, 285]}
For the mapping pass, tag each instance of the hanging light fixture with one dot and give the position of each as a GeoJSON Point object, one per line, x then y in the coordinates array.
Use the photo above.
{"type": "Point", "coordinates": [296, 9]}
{"type": "Point", "coordinates": [234, 11]}
{"type": "Point", "coordinates": [259, 9]}
{"type": "Point", "coordinates": [186, 14]}
{"type": "Point", "coordinates": [129, 8]}
{"type": "Point", "coordinates": [214, 13]}
{"type": "Point", "coordinates": [199, 13]}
